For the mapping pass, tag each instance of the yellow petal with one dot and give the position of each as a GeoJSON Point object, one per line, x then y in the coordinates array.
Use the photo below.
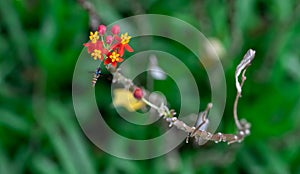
{"type": "Point", "coordinates": [124, 98]}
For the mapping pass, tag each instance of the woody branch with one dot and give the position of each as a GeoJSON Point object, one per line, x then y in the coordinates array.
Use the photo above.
{"type": "Point", "coordinates": [243, 127]}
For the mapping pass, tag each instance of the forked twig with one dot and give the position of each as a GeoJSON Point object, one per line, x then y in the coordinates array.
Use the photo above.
{"type": "Point", "coordinates": [203, 116]}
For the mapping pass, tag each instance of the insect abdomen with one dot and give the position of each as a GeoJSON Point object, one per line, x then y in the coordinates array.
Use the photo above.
{"type": "Point", "coordinates": [94, 80]}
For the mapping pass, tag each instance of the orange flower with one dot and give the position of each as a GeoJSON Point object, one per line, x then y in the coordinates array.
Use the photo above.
{"type": "Point", "coordinates": [122, 44]}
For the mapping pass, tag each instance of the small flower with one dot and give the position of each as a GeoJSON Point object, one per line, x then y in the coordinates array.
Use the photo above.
{"type": "Point", "coordinates": [125, 38]}
{"type": "Point", "coordinates": [123, 44]}
{"type": "Point", "coordinates": [138, 93]}
{"type": "Point", "coordinates": [113, 58]}
{"type": "Point", "coordinates": [94, 36]}
{"type": "Point", "coordinates": [97, 54]}
{"type": "Point", "coordinates": [101, 29]}
{"type": "Point", "coordinates": [93, 46]}
{"type": "Point", "coordinates": [96, 49]}
{"type": "Point", "coordinates": [115, 29]}
{"type": "Point", "coordinates": [109, 39]}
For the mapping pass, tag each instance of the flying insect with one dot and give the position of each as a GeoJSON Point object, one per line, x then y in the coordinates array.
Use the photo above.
{"type": "Point", "coordinates": [97, 74]}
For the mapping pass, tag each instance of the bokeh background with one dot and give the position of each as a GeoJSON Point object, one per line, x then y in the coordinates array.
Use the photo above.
{"type": "Point", "coordinates": [40, 44]}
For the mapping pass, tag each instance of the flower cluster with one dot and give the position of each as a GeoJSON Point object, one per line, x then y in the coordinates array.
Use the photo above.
{"type": "Point", "coordinates": [108, 46]}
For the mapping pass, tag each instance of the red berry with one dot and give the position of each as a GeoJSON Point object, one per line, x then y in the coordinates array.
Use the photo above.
{"type": "Point", "coordinates": [138, 93]}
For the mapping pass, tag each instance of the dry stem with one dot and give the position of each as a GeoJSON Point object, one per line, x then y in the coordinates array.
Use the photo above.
{"type": "Point", "coordinates": [168, 115]}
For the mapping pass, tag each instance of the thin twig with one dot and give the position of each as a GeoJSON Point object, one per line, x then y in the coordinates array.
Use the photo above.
{"type": "Point", "coordinates": [150, 104]}
{"type": "Point", "coordinates": [203, 118]}
{"type": "Point", "coordinates": [242, 67]}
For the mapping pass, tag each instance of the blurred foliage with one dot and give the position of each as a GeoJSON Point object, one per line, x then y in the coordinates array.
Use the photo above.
{"type": "Point", "coordinates": [39, 45]}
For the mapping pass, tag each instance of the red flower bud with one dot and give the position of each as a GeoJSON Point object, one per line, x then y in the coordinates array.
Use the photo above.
{"type": "Point", "coordinates": [109, 39]}
{"type": "Point", "coordinates": [102, 29]}
{"type": "Point", "coordinates": [138, 93]}
{"type": "Point", "coordinates": [115, 29]}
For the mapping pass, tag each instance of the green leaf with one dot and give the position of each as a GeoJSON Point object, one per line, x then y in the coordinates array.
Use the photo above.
{"type": "Point", "coordinates": [13, 121]}
{"type": "Point", "coordinates": [44, 165]}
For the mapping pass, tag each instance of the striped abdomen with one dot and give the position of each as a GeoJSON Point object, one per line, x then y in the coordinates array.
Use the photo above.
{"type": "Point", "coordinates": [95, 78]}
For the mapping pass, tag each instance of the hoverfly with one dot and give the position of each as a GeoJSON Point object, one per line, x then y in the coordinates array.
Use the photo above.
{"type": "Point", "coordinates": [97, 74]}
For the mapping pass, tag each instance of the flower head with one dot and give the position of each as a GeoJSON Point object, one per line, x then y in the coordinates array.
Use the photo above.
{"type": "Point", "coordinates": [94, 36]}
{"type": "Point", "coordinates": [110, 48]}
{"type": "Point", "coordinates": [92, 46]}
{"type": "Point", "coordinates": [122, 44]}
{"type": "Point", "coordinates": [96, 49]}
{"type": "Point", "coordinates": [125, 38]}
{"type": "Point", "coordinates": [113, 58]}
{"type": "Point", "coordinates": [97, 54]}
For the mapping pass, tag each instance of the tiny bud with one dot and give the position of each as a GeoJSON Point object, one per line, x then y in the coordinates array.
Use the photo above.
{"type": "Point", "coordinates": [101, 29]}
{"type": "Point", "coordinates": [138, 93]}
{"type": "Point", "coordinates": [109, 39]}
{"type": "Point", "coordinates": [115, 29]}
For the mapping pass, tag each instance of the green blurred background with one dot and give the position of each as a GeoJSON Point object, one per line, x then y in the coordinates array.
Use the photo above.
{"type": "Point", "coordinates": [40, 44]}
